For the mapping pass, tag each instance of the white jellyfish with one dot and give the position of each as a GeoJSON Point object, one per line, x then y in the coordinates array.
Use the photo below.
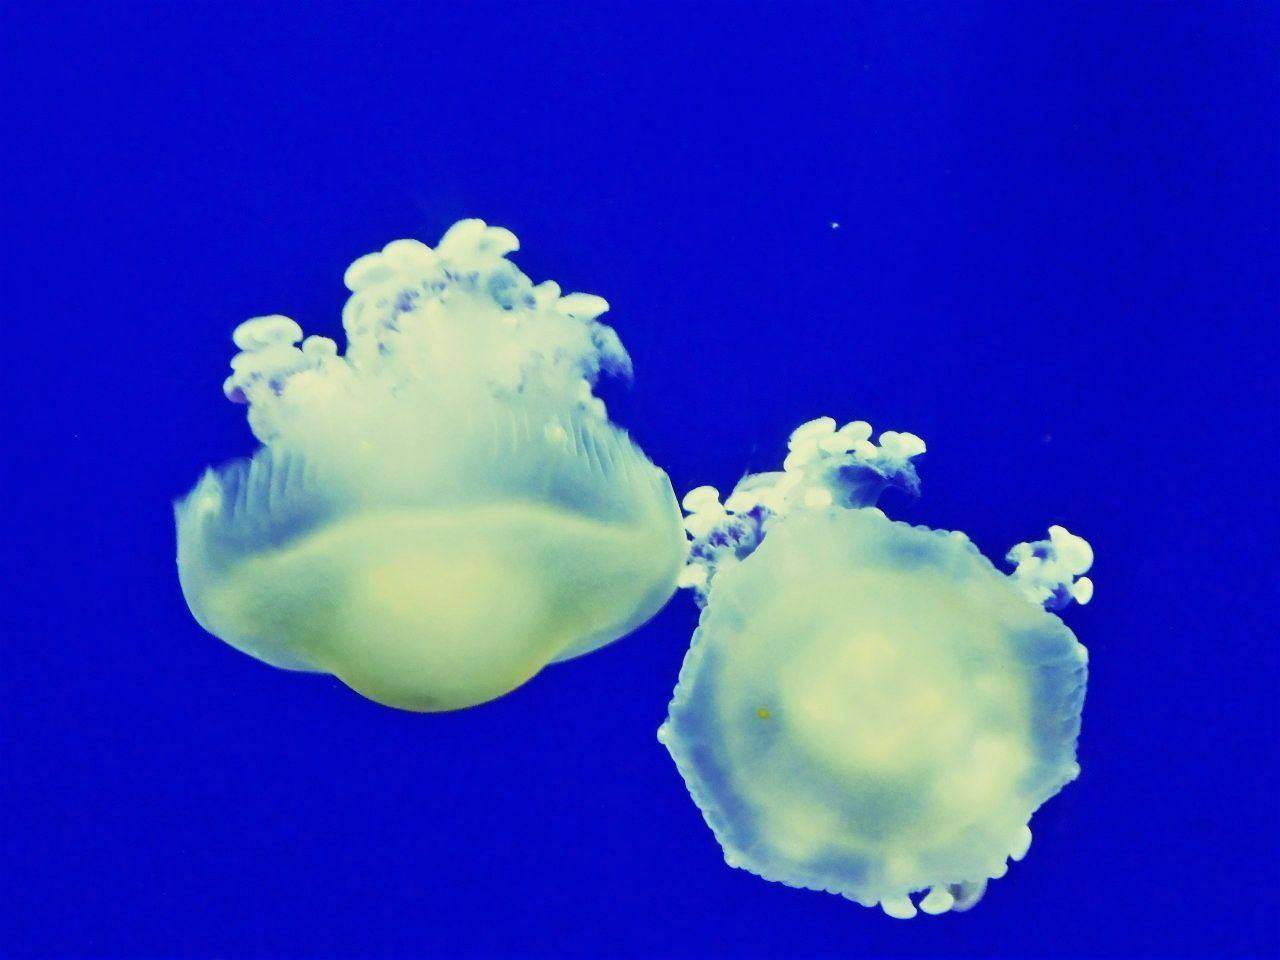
{"type": "Point", "coordinates": [440, 512]}
{"type": "Point", "coordinates": [867, 707]}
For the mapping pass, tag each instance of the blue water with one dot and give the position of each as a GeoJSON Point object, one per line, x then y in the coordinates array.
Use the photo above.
{"type": "Point", "coordinates": [1043, 237]}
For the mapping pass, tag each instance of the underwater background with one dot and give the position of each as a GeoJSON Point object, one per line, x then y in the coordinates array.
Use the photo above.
{"type": "Point", "coordinates": [1045, 238]}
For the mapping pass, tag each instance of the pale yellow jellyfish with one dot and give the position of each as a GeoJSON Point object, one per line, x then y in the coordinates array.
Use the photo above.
{"type": "Point", "coordinates": [440, 512]}
{"type": "Point", "coordinates": [871, 708]}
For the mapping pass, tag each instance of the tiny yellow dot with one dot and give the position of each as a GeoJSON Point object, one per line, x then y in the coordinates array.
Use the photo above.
{"type": "Point", "coordinates": [762, 713]}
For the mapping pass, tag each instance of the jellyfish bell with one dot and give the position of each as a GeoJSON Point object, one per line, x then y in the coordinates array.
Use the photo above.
{"type": "Point", "coordinates": [445, 509]}
{"type": "Point", "coordinates": [867, 707]}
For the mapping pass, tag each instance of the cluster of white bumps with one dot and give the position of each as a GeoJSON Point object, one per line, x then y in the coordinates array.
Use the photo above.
{"type": "Point", "coordinates": [824, 465]}
{"type": "Point", "coordinates": [1049, 571]}
{"type": "Point", "coordinates": [460, 311]}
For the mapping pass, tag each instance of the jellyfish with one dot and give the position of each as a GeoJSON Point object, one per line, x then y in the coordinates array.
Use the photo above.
{"type": "Point", "coordinates": [871, 708]}
{"type": "Point", "coordinates": [443, 510]}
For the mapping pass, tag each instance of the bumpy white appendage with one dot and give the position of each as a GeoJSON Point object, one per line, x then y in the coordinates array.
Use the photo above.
{"type": "Point", "coordinates": [1049, 571]}
{"type": "Point", "coordinates": [824, 466]}
{"type": "Point", "coordinates": [460, 317]}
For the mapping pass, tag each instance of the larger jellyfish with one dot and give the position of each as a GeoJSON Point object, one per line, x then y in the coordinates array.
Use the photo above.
{"type": "Point", "coordinates": [440, 512]}
{"type": "Point", "coordinates": [871, 708]}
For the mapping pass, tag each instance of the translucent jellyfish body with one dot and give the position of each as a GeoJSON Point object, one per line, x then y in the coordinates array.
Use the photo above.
{"type": "Point", "coordinates": [440, 512]}
{"type": "Point", "coordinates": [867, 707]}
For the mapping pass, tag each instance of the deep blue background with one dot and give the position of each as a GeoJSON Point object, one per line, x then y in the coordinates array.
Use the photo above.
{"type": "Point", "coordinates": [1056, 260]}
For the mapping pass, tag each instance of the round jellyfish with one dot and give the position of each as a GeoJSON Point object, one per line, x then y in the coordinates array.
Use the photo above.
{"type": "Point", "coordinates": [441, 511]}
{"type": "Point", "coordinates": [870, 708]}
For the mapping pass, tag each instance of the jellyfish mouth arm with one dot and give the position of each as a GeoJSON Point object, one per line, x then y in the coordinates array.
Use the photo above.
{"type": "Point", "coordinates": [268, 361]}
{"type": "Point", "coordinates": [1050, 572]}
{"type": "Point", "coordinates": [825, 465]}
{"type": "Point", "coordinates": [457, 316]}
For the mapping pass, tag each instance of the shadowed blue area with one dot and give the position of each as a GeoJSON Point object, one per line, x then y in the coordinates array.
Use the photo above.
{"type": "Point", "coordinates": [1043, 237]}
